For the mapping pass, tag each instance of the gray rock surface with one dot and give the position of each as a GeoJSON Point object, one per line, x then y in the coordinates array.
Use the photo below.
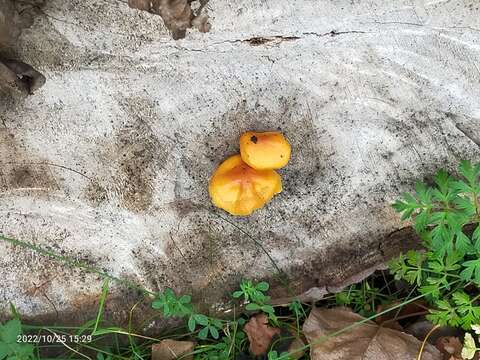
{"type": "Point", "coordinates": [109, 162]}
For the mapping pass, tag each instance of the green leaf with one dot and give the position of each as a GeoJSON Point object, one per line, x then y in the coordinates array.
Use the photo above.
{"type": "Point", "coordinates": [214, 332]}
{"type": "Point", "coordinates": [185, 299]}
{"type": "Point", "coordinates": [166, 310]}
{"type": "Point", "coordinates": [442, 179]}
{"type": "Point", "coordinates": [10, 331]}
{"type": "Point", "coordinates": [101, 306]}
{"type": "Point", "coordinates": [467, 273]}
{"type": "Point", "coordinates": [468, 171]}
{"type": "Point", "coordinates": [431, 291]}
{"type": "Point", "coordinates": [157, 304]}
{"type": "Point", "coordinates": [203, 333]}
{"type": "Point", "coordinates": [14, 311]}
{"type": "Point", "coordinates": [217, 323]}
{"type": "Point", "coordinates": [463, 244]}
{"type": "Point", "coordinates": [436, 266]}
{"type": "Point", "coordinates": [263, 286]}
{"type": "Point", "coordinates": [444, 315]}
{"type": "Point", "coordinates": [421, 221]}
{"type": "Point", "coordinates": [476, 238]}
{"type": "Point", "coordinates": [272, 355]}
{"type": "Point", "coordinates": [462, 187]}
{"type": "Point", "coordinates": [23, 351]}
{"type": "Point", "coordinates": [466, 204]}
{"type": "Point", "coordinates": [268, 309]}
{"type": "Point", "coordinates": [400, 206]}
{"type": "Point", "coordinates": [408, 206]}
{"type": "Point", "coordinates": [470, 313]}
{"type": "Point", "coordinates": [460, 298]}
{"type": "Point", "coordinates": [442, 240]}
{"type": "Point", "coordinates": [452, 261]}
{"type": "Point", "coordinates": [252, 307]}
{"type": "Point", "coordinates": [201, 319]}
{"type": "Point", "coordinates": [191, 324]}
{"type": "Point", "coordinates": [4, 350]}
{"type": "Point", "coordinates": [471, 271]}
{"type": "Point", "coordinates": [423, 194]}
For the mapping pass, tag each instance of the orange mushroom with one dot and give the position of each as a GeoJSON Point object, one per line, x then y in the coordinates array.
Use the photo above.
{"type": "Point", "coordinates": [265, 150]}
{"type": "Point", "coordinates": [239, 189]}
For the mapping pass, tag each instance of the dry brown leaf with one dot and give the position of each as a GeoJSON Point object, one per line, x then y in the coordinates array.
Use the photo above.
{"type": "Point", "coordinates": [177, 14]}
{"type": "Point", "coordinates": [294, 347]}
{"type": "Point", "coordinates": [260, 334]}
{"type": "Point", "coordinates": [411, 309]}
{"type": "Point", "coordinates": [450, 346]}
{"type": "Point", "coordinates": [171, 350]}
{"type": "Point", "coordinates": [422, 327]}
{"type": "Point", "coordinates": [367, 341]}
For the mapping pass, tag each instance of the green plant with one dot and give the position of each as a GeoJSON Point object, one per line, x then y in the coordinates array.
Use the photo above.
{"type": "Point", "coordinates": [226, 348]}
{"type": "Point", "coordinates": [447, 217]}
{"type": "Point", "coordinates": [363, 298]}
{"type": "Point", "coordinates": [273, 355]}
{"type": "Point", "coordinates": [180, 306]}
{"type": "Point", "coordinates": [101, 356]}
{"type": "Point", "coordinates": [171, 305]}
{"type": "Point", "coordinates": [252, 293]}
{"type": "Point", "coordinates": [12, 347]}
{"type": "Point", "coordinates": [255, 298]}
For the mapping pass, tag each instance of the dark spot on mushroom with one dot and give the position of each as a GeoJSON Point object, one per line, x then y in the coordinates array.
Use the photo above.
{"type": "Point", "coordinates": [254, 139]}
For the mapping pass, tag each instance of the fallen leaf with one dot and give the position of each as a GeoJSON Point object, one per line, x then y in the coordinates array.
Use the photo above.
{"type": "Point", "coordinates": [171, 350]}
{"type": "Point", "coordinates": [450, 346]}
{"type": "Point", "coordinates": [177, 14]}
{"type": "Point", "coordinates": [293, 349]}
{"type": "Point", "coordinates": [260, 334]}
{"type": "Point", "coordinates": [366, 341]}
{"type": "Point", "coordinates": [422, 327]}
{"type": "Point", "coordinates": [407, 310]}
{"type": "Point", "coordinates": [143, 5]}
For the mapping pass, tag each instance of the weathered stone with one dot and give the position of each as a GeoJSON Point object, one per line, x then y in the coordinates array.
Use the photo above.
{"type": "Point", "coordinates": [109, 162]}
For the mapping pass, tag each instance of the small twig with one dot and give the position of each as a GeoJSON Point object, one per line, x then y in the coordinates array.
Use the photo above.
{"type": "Point", "coordinates": [418, 313]}
{"type": "Point", "coordinates": [419, 357]}
{"type": "Point", "coordinates": [386, 283]}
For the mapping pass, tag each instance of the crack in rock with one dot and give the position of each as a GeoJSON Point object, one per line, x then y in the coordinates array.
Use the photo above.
{"type": "Point", "coordinates": [468, 134]}
{"type": "Point", "coordinates": [466, 128]}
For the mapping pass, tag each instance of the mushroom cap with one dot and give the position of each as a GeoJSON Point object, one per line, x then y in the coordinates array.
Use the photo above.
{"type": "Point", "coordinates": [265, 150]}
{"type": "Point", "coordinates": [239, 189]}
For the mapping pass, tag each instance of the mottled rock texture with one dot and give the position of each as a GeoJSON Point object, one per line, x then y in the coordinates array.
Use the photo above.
{"type": "Point", "coordinates": [109, 162]}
